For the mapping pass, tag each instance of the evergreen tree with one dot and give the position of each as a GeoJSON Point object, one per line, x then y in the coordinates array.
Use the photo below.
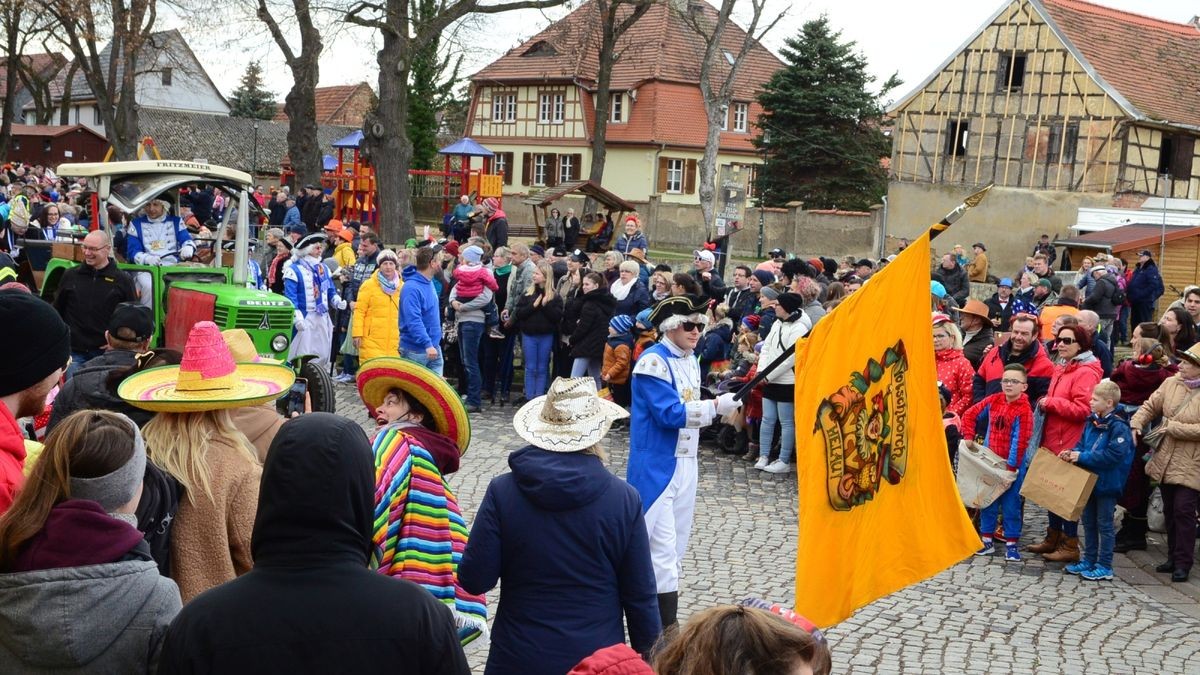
{"type": "Point", "coordinates": [250, 99]}
{"type": "Point", "coordinates": [820, 127]}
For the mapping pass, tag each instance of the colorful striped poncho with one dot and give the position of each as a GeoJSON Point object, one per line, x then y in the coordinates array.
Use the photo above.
{"type": "Point", "coordinates": [419, 530]}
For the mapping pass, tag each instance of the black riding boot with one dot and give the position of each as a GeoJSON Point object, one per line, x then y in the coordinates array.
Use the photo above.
{"type": "Point", "coordinates": [668, 607]}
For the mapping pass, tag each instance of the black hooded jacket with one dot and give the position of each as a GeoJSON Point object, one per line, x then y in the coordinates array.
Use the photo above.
{"type": "Point", "coordinates": [591, 331]}
{"type": "Point", "coordinates": [311, 605]}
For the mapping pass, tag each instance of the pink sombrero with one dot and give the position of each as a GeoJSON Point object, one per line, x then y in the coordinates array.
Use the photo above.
{"type": "Point", "coordinates": [207, 378]}
{"type": "Point", "coordinates": [378, 376]}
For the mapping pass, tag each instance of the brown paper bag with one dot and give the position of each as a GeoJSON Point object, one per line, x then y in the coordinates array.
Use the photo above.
{"type": "Point", "coordinates": [1058, 486]}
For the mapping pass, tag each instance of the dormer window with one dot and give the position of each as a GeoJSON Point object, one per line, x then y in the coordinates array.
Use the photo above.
{"type": "Point", "coordinates": [540, 48]}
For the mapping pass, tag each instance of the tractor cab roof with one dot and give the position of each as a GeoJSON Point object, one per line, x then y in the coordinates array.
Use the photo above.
{"type": "Point", "coordinates": [130, 185]}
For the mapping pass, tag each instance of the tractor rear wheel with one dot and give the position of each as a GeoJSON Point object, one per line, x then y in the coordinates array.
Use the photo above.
{"type": "Point", "coordinates": [320, 387]}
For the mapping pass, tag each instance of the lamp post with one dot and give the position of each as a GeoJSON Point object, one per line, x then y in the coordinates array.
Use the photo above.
{"type": "Point", "coordinates": [254, 161]}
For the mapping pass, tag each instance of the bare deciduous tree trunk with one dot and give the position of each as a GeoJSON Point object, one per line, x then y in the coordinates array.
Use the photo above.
{"type": "Point", "coordinates": [717, 99]}
{"type": "Point", "coordinates": [385, 137]}
{"type": "Point", "coordinates": [612, 30]}
{"type": "Point", "coordinates": [300, 104]}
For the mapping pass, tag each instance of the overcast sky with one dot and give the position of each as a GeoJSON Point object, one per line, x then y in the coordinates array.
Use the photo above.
{"type": "Point", "coordinates": [911, 38]}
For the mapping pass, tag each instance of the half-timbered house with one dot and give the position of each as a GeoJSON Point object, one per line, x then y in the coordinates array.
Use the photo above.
{"type": "Point", "coordinates": [1060, 104]}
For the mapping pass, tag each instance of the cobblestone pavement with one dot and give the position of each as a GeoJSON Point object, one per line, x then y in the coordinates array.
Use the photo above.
{"type": "Point", "coordinates": [980, 616]}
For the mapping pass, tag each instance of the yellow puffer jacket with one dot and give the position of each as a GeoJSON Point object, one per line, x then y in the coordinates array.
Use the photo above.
{"type": "Point", "coordinates": [343, 253]}
{"type": "Point", "coordinates": [377, 319]}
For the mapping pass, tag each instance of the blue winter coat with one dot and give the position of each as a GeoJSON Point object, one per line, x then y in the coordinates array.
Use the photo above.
{"type": "Point", "coordinates": [568, 541]}
{"type": "Point", "coordinates": [420, 313]}
{"type": "Point", "coordinates": [635, 301]}
{"type": "Point", "coordinates": [625, 243]}
{"type": "Point", "coordinates": [1106, 449]}
{"type": "Point", "coordinates": [1146, 286]}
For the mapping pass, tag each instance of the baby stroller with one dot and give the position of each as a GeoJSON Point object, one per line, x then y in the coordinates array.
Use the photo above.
{"type": "Point", "coordinates": [730, 436]}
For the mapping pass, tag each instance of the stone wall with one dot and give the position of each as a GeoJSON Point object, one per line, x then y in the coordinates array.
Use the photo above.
{"type": "Point", "coordinates": [1008, 222]}
{"type": "Point", "coordinates": [677, 226]}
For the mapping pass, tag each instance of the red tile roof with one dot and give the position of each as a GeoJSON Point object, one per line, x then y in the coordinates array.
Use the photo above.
{"type": "Point", "coordinates": [338, 104]}
{"type": "Point", "coordinates": [1154, 64]}
{"type": "Point", "coordinates": [45, 65]}
{"type": "Point", "coordinates": [660, 57]}
{"type": "Point", "coordinates": [49, 130]}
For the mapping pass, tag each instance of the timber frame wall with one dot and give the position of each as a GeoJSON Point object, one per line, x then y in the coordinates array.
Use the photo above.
{"type": "Point", "coordinates": [1047, 126]}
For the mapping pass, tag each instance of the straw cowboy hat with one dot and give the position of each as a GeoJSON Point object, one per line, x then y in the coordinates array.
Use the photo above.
{"type": "Point", "coordinates": [570, 417]}
{"type": "Point", "coordinates": [207, 378]}
{"type": "Point", "coordinates": [376, 377]}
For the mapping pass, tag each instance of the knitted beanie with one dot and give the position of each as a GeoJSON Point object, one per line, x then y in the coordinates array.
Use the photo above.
{"type": "Point", "coordinates": [36, 342]}
{"type": "Point", "coordinates": [621, 323]}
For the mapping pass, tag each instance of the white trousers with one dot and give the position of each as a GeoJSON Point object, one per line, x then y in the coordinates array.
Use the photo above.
{"type": "Point", "coordinates": [317, 339]}
{"type": "Point", "coordinates": [669, 524]}
{"type": "Point", "coordinates": [145, 288]}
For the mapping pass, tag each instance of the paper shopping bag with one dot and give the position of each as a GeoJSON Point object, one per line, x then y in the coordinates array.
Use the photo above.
{"type": "Point", "coordinates": [1058, 486]}
{"type": "Point", "coordinates": [982, 475]}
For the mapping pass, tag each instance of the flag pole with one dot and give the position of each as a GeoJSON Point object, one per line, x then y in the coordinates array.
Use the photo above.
{"type": "Point", "coordinates": [934, 230]}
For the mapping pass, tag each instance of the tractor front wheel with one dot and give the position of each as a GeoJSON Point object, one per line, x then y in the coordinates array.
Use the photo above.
{"type": "Point", "coordinates": [320, 387]}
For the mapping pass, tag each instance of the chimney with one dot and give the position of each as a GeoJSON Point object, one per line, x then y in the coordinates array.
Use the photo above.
{"type": "Point", "coordinates": [1195, 22]}
{"type": "Point", "coordinates": [678, 6]}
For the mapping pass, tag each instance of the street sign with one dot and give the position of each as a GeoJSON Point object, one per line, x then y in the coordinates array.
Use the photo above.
{"type": "Point", "coordinates": [731, 201]}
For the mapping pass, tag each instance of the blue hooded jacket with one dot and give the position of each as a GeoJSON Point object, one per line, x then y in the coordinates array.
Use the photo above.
{"type": "Point", "coordinates": [568, 541]}
{"type": "Point", "coordinates": [1106, 449]}
{"type": "Point", "coordinates": [420, 313]}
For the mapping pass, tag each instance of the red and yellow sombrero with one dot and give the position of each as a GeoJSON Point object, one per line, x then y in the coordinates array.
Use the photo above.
{"type": "Point", "coordinates": [378, 376]}
{"type": "Point", "coordinates": [207, 378]}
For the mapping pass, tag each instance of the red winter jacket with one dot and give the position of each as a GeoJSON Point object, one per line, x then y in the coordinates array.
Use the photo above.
{"type": "Point", "coordinates": [1009, 426]}
{"type": "Point", "coordinates": [12, 458]}
{"type": "Point", "coordinates": [1038, 369]}
{"type": "Point", "coordinates": [1069, 402]}
{"type": "Point", "coordinates": [614, 660]}
{"type": "Point", "coordinates": [955, 373]}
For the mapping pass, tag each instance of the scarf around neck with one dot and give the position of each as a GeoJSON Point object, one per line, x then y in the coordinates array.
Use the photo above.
{"type": "Point", "coordinates": [619, 290]}
{"type": "Point", "coordinates": [388, 287]}
{"type": "Point", "coordinates": [321, 283]}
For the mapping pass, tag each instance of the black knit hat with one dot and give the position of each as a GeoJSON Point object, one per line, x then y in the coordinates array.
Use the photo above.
{"type": "Point", "coordinates": [35, 341]}
{"type": "Point", "coordinates": [790, 302]}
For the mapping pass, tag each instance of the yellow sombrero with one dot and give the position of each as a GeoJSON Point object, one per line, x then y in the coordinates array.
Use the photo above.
{"type": "Point", "coordinates": [207, 378]}
{"type": "Point", "coordinates": [378, 376]}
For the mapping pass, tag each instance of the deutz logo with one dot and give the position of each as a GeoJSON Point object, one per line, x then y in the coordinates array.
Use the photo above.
{"type": "Point", "coordinates": [265, 324]}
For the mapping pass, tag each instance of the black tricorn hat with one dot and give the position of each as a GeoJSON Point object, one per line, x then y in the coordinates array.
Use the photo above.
{"type": "Point", "coordinates": [681, 306]}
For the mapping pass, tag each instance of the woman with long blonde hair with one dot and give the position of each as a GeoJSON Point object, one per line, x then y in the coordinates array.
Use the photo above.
{"type": "Point", "coordinates": [193, 439]}
{"type": "Point", "coordinates": [219, 472]}
{"type": "Point", "coordinates": [538, 312]}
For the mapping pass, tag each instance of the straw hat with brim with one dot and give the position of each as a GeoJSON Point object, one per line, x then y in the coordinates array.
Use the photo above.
{"type": "Point", "coordinates": [378, 376]}
{"type": "Point", "coordinates": [976, 307]}
{"type": "Point", "coordinates": [569, 418]}
{"type": "Point", "coordinates": [242, 347]}
{"type": "Point", "coordinates": [1192, 354]}
{"type": "Point", "coordinates": [207, 378]}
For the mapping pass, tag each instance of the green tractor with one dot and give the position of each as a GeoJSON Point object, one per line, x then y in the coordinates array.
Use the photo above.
{"type": "Point", "coordinates": [188, 292]}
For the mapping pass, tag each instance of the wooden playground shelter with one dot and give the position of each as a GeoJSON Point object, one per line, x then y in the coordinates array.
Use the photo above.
{"type": "Point", "coordinates": [590, 224]}
{"type": "Point", "coordinates": [355, 191]}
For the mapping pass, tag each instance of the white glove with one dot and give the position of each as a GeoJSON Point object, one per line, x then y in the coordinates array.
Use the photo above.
{"type": "Point", "coordinates": [298, 322]}
{"type": "Point", "coordinates": [726, 403]}
{"type": "Point", "coordinates": [338, 302]}
{"type": "Point", "coordinates": [151, 259]}
{"type": "Point", "coordinates": [187, 251]}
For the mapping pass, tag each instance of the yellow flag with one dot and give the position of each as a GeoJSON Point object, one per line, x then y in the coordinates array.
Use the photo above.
{"type": "Point", "coordinates": [879, 509]}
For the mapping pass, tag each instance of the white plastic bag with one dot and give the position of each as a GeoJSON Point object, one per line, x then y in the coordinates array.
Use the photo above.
{"type": "Point", "coordinates": [982, 475]}
{"type": "Point", "coordinates": [1154, 512]}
